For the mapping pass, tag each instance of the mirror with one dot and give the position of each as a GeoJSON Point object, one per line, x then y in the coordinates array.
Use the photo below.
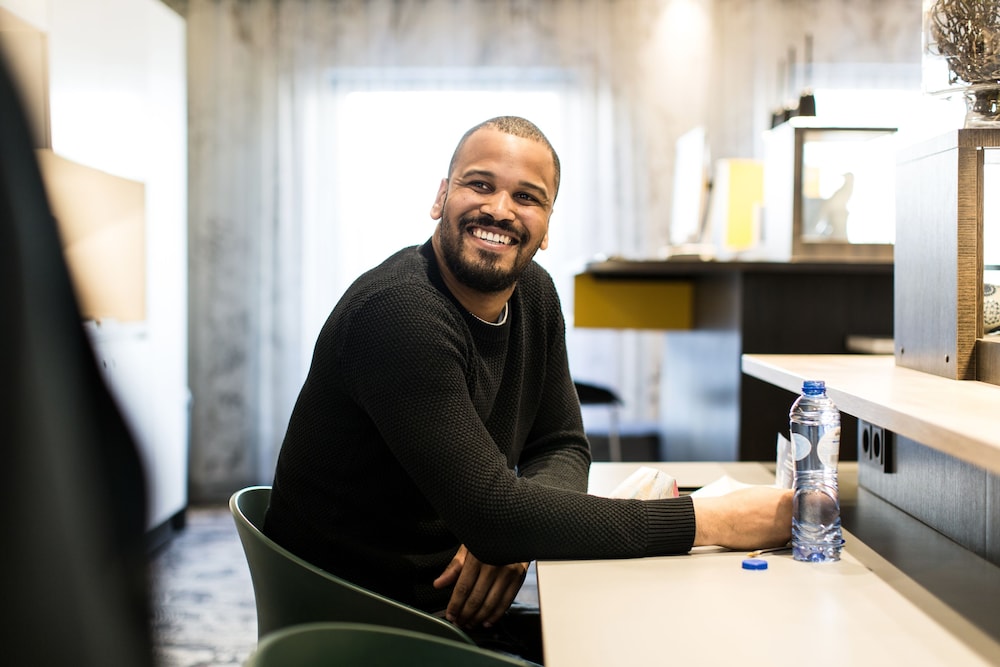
{"type": "Point", "coordinates": [991, 242]}
{"type": "Point", "coordinates": [988, 343]}
{"type": "Point", "coordinates": [847, 185]}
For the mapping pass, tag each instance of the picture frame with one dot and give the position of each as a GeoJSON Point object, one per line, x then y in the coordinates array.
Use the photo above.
{"type": "Point", "coordinates": [829, 192]}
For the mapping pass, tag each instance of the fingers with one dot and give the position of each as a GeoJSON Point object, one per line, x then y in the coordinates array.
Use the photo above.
{"type": "Point", "coordinates": [495, 590]}
{"type": "Point", "coordinates": [459, 606]}
{"type": "Point", "coordinates": [503, 592]}
{"type": "Point", "coordinates": [483, 592]}
{"type": "Point", "coordinates": [450, 574]}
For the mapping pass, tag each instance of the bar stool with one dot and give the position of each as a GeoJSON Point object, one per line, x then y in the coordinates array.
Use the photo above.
{"type": "Point", "coordinates": [592, 394]}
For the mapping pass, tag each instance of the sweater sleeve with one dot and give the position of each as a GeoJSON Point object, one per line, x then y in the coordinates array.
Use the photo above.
{"type": "Point", "coordinates": [410, 377]}
{"type": "Point", "coordinates": [671, 525]}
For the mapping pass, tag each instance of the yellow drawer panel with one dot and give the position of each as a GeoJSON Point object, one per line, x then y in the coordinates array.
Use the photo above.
{"type": "Point", "coordinates": [623, 303]}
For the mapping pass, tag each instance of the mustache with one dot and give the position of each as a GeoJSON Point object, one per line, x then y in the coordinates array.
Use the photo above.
{"type": "Point", "coordinates": [484, 220]}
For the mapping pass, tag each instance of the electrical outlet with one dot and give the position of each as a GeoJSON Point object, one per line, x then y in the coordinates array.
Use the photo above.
{"type": "Point", "coordinates": [888, 451]}
{"type": "Point", "coordinates": [864, 442]}
{"type": "Point", "coordinates": [876, 447]}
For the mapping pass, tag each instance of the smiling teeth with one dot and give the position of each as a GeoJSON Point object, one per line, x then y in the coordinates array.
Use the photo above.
{"type": "Point", "coordinates": [491, 236]}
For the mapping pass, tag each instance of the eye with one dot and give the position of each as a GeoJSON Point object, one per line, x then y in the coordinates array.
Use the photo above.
{"type": "Point", "coordinates": [528, 197]}
{"type": "Point", "coordinates": [482, 186]}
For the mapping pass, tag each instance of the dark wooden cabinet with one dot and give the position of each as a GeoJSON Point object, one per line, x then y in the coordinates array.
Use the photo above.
{"type": "Point", "coordinates": [710, 410]}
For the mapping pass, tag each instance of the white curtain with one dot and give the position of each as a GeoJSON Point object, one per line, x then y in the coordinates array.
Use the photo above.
{"type": "Point", "coordinates": [262, 212]}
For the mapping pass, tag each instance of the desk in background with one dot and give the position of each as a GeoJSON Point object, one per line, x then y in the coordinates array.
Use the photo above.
{"type": "Point", "coordinates": [703, 609]}
{"type": "Point", "coordinates": [713, 312]}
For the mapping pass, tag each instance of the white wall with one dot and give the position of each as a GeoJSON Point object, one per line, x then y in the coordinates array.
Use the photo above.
{"type": "Point", "coordinates": [117, 73]}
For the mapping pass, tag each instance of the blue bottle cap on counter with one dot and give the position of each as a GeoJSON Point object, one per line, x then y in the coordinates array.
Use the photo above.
{"type": "Point", "coordinates": [754, 564]}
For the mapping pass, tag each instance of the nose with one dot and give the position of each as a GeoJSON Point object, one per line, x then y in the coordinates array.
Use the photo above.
{"type": "Point", "coordinates": [499, 205]}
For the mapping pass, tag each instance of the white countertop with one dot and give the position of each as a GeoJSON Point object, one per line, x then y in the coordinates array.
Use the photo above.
{"type": "Point", "coordinates": [704, 609]}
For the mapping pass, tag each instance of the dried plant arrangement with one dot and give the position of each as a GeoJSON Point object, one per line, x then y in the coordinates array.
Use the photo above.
{"type": "Point", "coordinates": [966, 34]}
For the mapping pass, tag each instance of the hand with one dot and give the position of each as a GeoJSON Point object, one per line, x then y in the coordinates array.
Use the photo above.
{"type": "Point", "coordinates": [754, 518]}
{"type": "Point", "coordinates": [482, 592]}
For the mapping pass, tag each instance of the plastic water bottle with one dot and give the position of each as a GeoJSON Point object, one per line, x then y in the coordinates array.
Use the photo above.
{"type": "Point", "coordinates": [815, 435]}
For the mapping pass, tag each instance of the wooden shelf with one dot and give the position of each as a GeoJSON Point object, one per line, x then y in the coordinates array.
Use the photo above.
{"type": "Point", "coordinates": [679, 268]}
{"type": "Point", "coordinates": [957, 417]}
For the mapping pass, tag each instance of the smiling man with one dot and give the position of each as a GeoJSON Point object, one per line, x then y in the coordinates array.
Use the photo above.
{"type": "Point", "coordinates": [494, 210]}
{"type": "Point", "coordinates": [437, 446]}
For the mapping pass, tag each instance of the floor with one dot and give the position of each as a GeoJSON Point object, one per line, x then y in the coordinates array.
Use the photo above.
{"type": "Point", "coordinates": [204, 613]}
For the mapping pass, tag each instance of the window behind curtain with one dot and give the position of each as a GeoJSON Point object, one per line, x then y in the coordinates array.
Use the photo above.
{"type": "Point", "coordinates": [389, 145]}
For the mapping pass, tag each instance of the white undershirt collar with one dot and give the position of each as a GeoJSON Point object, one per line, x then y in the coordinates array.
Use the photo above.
{"type": "Point", "coordinates": [499, 322]}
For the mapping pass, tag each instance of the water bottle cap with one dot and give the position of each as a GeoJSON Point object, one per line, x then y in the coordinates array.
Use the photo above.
{"type": "Point", "coordinates": [754, 564]}
{"type": "Point", "coordinates": [813, 387]}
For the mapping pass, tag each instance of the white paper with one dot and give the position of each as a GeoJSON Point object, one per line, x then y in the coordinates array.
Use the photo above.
{"type": "Point", "coordinates": [784, 470]}
{"type": "Point", "coordinates": [720, 487]}
{"type": "Point", "coordinates": [647, 484]}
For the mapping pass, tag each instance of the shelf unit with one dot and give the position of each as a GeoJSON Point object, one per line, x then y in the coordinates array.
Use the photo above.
{"type": "Point", "coordinates": [956, 417]}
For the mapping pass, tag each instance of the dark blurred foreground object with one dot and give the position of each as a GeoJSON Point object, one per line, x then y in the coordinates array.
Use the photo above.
{"type": "Point", "coordinates": [73, 562]}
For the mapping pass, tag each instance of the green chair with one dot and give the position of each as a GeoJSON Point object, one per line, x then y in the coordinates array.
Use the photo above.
{"type": "Point", "coordinates": [290, 591]}
{"type": "Point", "coordinates": [357, 644]}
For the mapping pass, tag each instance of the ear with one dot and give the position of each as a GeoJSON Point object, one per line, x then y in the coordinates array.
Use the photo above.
{"type": "Point", "coordinates": [545, 239]}
{"type": "Point", "coordinates": [438, 207]}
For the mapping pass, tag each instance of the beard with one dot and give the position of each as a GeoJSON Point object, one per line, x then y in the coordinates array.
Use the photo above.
{"type": "Point", "coordinates": [484, 273]}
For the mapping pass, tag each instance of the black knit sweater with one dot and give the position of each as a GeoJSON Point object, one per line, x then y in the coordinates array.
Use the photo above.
{"type": "Point", "coordinates": [420, 428]}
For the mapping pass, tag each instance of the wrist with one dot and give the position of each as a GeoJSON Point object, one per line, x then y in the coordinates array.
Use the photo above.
{"type": "Point", "coordinates": [707, 522]}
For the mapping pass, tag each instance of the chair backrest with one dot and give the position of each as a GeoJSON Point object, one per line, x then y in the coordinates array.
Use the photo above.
{"type": "Point", "coordinates": [327, 644]}
{"type": "Point", "coordinates": [290, 591]}
{"type": "Point", "coordinates": [592, 394]}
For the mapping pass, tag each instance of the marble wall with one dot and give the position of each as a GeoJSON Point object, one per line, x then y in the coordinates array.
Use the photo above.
{"type": "Point", "coordinates": [856, 43]}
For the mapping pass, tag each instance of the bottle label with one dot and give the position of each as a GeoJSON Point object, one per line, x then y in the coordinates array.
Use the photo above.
{"type": "Point", "coordinates": [800, 446]}
{"type": "Point", "coordinates": [828, 447]}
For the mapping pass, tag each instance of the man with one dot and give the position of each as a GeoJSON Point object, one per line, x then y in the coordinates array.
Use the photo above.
{"type": "Point", "coordinates": [437, 445]}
